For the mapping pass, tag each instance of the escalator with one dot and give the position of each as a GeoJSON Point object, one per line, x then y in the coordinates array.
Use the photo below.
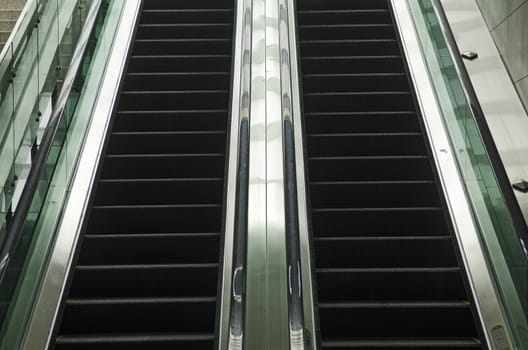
{"type": "Point", "coordinates": [146, 272]}
{"type": "Point", "coordinates": [387, 273]}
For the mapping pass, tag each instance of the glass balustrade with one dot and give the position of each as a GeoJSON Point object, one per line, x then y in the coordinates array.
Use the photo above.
{"type": "Point", "coordinates": [504, 247]}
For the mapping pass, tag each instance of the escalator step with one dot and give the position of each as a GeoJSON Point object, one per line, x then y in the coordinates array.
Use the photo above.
{"type": "Point", "coordinates": [185, 31]}
{"type": "Point", "coordinates": [120, 315]}
{"type": "Point", "coordinates": [153, 341]}
{"type": "Point", "coordinates": [149, 280]}
{"type": "Point", "coordinates": [386, 271]}
{"type": "Point", "coordinates": [404, 344]}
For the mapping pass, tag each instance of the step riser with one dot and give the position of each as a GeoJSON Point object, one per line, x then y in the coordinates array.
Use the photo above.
{"type": "Point", "coordinates": [145, 282]}
{"type": "Point", "coordinates": [196, 31]}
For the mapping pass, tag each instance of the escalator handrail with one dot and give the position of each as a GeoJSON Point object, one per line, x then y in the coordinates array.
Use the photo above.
{"type": "Point", "coordinates": [518, 221]}
{"type": "Point", "coordinates": [240, 114]}
{"type": "Point", "coordinates": [293, 255]}
{"type": "Point", "coordinates": [18, 220]}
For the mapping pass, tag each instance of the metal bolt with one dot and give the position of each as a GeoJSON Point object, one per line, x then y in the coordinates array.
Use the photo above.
{"type": "Point", "coordinates": [469, 55]}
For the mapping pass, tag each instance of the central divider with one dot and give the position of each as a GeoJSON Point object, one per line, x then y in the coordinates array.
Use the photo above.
{"type": "Point", "coordinates": [267, 305]}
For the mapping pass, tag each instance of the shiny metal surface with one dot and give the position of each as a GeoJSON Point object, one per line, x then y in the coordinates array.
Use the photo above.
{"type": "Point", "coordinates": [55, 277]}
{"type": "Point", "coordinates": [503, 110]}
{"type": "Point", "coordinates": [277, 300]}
{"type": "Point", "coordinates": [487, 301]}
{"type": "Point", "coordinates": [233, 298]}
{"type": "Point", "coordinates": [304, 233]}
{"type": "Point", "coordinates": [266, 310]}
{"type": "Point", "coordinates": [256, 277]}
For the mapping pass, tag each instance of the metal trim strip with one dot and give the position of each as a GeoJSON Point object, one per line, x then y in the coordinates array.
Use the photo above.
{"type": "Point", "coordinates": [231, 330]}
{"type": "Point", "coordinates": [302, 210]}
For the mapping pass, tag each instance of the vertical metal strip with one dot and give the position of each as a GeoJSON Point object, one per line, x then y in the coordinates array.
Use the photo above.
{"type": "Point", "coordinates": [302, 210]}
{"type": "Point", "coordinates": [255, 325]}
{"type": "Point", "coordinates": [267, 304]}
{"type": "Point", "coordinates": [277, 304]}
{"type": "Point", "coordinates": [489, 306]}
{"type": "Point", "coordinates": [231, 329]}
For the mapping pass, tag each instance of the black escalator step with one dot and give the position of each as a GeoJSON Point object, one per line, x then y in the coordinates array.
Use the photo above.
{"type": "Point", "coordinates": [362, 122]}
{"type": "Point", "coordinates": [191, 99]}
{"type": "Point", "coordinates": [163, 166]}
{"type": "Point", "coordinates": [159, 191]}
{"type": "Point", "coordinates": [182, 46]}
{"type": "Point", "coordinates": [156, 219]}
{"type": "Point", "coordinates": [389, 284]}
{"type": "Point", "coordinates": [355, 82]}
{"type": "Point", "coordinates": [153, 341]}
{"type": "Point", "coordinates": [349, 31]}
{"type": "Point", "coordinates": [366, 144]}
{"type": "Point", "coordinates": [184, 80]}
{"type": "Point", "coordinates": [180, 63]}
{"type": "Point", "coordinates": [195, 4]}
{"type": "Point", "coordinates": [342, 5]}
{"type": "Point", "coordinates": [403, 344]}
{"type": "Point", "coordinates": [150, 249]}
{"type": "Point", "coordinates": [168, 16]}
{"type": "Point", "coordinates": [351, 64]}
{"type": "Point", "coordinates": [386, 168]}
{"type": "Point", "coordinates": [373, 194]}
{"type": "Point", "coordinates": [349, 47]}
{"type": "Point", "coordinates": [378, 222]}
{"type": "Point", "coordinates": [334, 17]}
{"type": "Point", "coordinates": [177, 120]}
{"type": "Point", "coordinates": [171, 142]}
{"type": "Point", "coordinates": [410, 319]}
{"type": "Point", "coordinates": [139, 315]}
{"type": "Point", "coordinates": [338, 252]}
{"type": "Point", "coordinates": [358, 101]}
{"type": "Point", "coordinates": [148, 280]}
{"type": "Point", "coordinates": [185, 30]}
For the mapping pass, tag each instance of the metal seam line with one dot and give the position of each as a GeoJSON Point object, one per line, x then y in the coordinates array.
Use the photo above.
{"type": "Point", "coordinates": [277, 306]}
{"type": "Point", "coordinates": [486, 298]}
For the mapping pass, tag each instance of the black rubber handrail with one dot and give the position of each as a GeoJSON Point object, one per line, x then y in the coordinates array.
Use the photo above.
{"type": "Point", "coordinates": [240, 234]}
{"type": "Point", "coordinates": [17, 222]}
{"type": "Point", "coordinates": [505, 186]}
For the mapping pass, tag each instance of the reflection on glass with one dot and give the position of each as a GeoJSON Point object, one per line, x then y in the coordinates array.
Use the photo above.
{"type": "Point", "coordinates": [505, 251]}
{"type": "Point", "coordinates": [30, 81]}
